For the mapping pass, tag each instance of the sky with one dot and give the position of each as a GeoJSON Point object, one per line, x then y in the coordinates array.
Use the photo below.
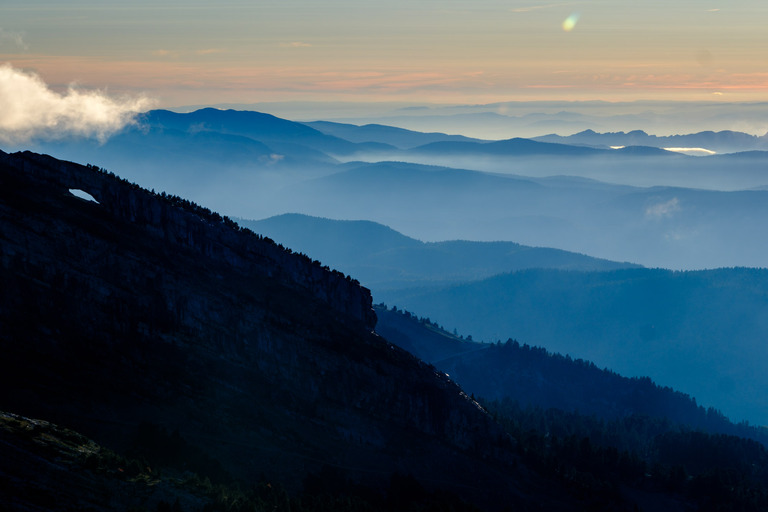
{"type": "Point", "coordinates": [194, 52]}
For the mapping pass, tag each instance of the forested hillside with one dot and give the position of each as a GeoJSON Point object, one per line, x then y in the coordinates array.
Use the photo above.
{"type": "Point", "coordinates": [700, 332]}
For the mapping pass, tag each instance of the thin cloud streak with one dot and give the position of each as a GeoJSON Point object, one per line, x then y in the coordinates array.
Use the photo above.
{"type": "Point", "coordinates": [30, 109]}
{"type": "Point", "coordinates": [531, 8]}
{"type": "Point", "coordinates": [15, 39]}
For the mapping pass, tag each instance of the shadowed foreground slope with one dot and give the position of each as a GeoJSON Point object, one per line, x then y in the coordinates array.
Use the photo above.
{"type": "Point", "coordinates": [596, 430]}
{"type": "Point", "coordinates": [143, 309]}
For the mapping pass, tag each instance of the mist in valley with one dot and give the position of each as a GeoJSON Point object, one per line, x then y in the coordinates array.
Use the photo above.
{"type": "Point", "coordinates": [631, 207]}
{"type": "Point", "coordinates": [646, 206]}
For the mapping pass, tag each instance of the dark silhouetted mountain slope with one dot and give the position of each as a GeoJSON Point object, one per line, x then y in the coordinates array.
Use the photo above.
{"type": "Point", "coordinates": [172, 355]}
{"type": "Point", "coordinates": [143, 308]}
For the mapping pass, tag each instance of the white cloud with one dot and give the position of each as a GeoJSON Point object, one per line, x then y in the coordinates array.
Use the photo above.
{"type": "Point", "coordinates": [29, 109]}
{"type": "Point", "coordinates": [661, 210]}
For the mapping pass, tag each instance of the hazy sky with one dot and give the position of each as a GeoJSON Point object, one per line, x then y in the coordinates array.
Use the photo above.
{"type": "Point", "coordinates": [479, 51]}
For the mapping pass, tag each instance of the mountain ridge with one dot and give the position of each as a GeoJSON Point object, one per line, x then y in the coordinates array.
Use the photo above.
{"type": "Point", "coordinates": [727, 141]}
{"type": "Point", "coordinates": [697, 331]}
{"type": "Point", "coordinates": [136, 206]}
{"type": "Point", "coordinates": [384, 258]}
{"type": "Point", "coordinates": [535, 377]}
{"type": "Point", "coordinates": [143, 307]}
{"type": "Point", "coordinates": [256, 125]}
{"type": "Point", "coordinates": [398, 137]}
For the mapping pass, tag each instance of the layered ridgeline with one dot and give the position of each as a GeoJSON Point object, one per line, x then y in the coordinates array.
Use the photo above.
{"type": "Point", "coordinates": [125, 312]}
{"type": "Point", "coordinates": [653, 207]}
{"type": "Point", "coordinates": [534, 377]}
{"type": "Point", "coordinates": [382, 258]}
{"type": "Point", "coordinates": [726, 141]}
{"type": "Point", "coordinates": [699, 331]}
{"type": "Point", "coordinates": [156, 356]}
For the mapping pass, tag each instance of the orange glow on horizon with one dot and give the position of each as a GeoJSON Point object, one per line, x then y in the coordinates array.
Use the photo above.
{"type": "Point", "coordinates": [221, 80]}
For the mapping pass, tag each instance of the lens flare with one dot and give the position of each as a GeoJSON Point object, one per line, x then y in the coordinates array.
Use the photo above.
{"type": "Point", "coordinates": [570, 22]}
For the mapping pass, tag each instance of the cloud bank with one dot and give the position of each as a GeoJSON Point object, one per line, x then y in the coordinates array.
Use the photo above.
{"type": "Point", "coordinates": [30, 109]}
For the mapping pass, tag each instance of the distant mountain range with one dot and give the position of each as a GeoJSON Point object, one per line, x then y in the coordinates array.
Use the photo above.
{"type": "Point", "coordinates": [510, 147]}
{"type": "Point", "coordinates": [441, 187]}
{"type": "Point", "coordinates": [529, 119]}
{"type": "Point", "coordinates": [382, 258]}
{"type": "Point", "coordinates": [258, 126]}
{"type": "Point", "coordinates": [725, 141]}
{"type": "Point", "coordinates": [663, 226]}
{"type": "Point", "coordinates": [377, 133]}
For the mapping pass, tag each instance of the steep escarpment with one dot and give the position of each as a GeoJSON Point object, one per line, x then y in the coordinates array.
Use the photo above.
{"type": "Point", "coordinates": [183, 223]}
{"type": "Point", "coordinates": [140, 309]}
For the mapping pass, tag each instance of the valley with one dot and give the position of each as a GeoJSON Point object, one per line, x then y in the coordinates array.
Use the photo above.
{"type": "Point", "coordinates": [236, 321]}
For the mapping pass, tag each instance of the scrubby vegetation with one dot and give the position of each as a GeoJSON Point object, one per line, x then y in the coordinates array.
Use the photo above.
{"type": "Point", "coordinates": [596, 458]}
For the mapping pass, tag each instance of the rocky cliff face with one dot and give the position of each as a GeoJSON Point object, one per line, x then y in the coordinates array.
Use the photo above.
{"type": "Point", "coordinates": [146, 309]}
{"type": "Point", "coordinates": [200, 230]}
